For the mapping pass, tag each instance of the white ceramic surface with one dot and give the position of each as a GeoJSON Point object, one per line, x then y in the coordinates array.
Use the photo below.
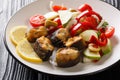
{"type": "Point", "coordinates": [109, 13]}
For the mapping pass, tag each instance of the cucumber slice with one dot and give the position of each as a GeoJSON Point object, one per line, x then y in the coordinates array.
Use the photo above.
{"type": "Point", "coordinates": [65, 16]}
{"type": "Point", "coordinates": [108, 48]}
{"type": "Point", "coordinates": [87, 60]}
{"type": "Point", "coordinates": [86, 35]}
{"type": "Point", "coordinates": [51, 15]}
{"type": "Point", "coordinates": [91, 54]}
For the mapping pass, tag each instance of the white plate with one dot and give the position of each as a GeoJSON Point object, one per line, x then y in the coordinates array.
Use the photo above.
{"type": "Point", "coordinates": [108, 12]}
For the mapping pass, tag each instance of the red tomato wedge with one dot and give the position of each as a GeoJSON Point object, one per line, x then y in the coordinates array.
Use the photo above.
{"type": "Point", "coordinates": [80, 27]}
{"type": "Point", "coordinates": [37, 20]}
{"type": "Point", "coordinates": [84, 7]}
{"type": "Point", "coordinates": [56, 8]}
{"type": "Point", "coordinates": [109, 32]}
{"type": "Point", "coordinates": [91, 20]}
{"type": "Point", "coordinates": [89, 13]}
{"type": "Point", "coordinates": [102, 41]}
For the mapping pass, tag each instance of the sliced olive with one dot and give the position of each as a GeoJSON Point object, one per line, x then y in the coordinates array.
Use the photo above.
{"type": "Point", "coordinates": [93, 47]}
{"type": "Point", "coordinates": [50, 23]}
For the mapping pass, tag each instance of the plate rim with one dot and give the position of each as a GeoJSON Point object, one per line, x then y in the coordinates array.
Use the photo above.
{"type": "Point", "coordinates": [85, 74]}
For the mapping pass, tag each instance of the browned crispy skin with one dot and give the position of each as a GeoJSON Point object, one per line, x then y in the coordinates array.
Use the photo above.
{"type": "Point", "coordinates": [59, 37]}
{"type": "Point", "coordinates": [76, 42]}
{"type": "Point", "coordinates": [35, 33]}
{"type": "Point", "coordinates": [43, 48]}
{"type": "Point", "coordinates": [67, 57]}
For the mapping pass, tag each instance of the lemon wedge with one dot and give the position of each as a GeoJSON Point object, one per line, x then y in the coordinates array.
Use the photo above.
{"type": "Point", "coordinates": [17, 33]}
{"type": "Point", "coordinates": [25, 50]}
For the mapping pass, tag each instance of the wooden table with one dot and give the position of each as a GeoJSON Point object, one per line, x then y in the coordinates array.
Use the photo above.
{"type": "Point", "coordinates": [10, 69]}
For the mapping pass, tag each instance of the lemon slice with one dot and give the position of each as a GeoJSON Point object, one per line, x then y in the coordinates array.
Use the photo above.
{"type": "Point", "coordinates": [25, 50]}
{"type": "Point", "coordinates": [17, 34]}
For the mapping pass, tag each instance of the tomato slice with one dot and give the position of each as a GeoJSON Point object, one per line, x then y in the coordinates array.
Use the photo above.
{"type": "Point", "coordinates": [75, 29]}
{"type": "Point", "coordinates": [90, 19]}
{"type": "Point", "coordinates": [37, 20]}
{"type": "Point", "coordinates": [87, 14]}
{"type": "Point", "coordinates": [109, 32]}
{"type": "Point", "coordinates": [84, 7]}
{"type": "Point", "coordinates": [56, 8]}
{"type": "Point", "coordinates": [80, 27]}
{"type": "Point", "coordinates": [102, 41]}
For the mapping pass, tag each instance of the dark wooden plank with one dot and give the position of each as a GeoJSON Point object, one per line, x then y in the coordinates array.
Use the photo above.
{"type": "Point", "coordinates": [9, 68]}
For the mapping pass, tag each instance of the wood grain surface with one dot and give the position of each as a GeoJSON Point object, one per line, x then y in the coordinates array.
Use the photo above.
{"type": "Point", "coordinates": [10, 69]}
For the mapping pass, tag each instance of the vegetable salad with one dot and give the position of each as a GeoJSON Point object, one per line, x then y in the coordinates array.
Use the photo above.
{"type": "Point", "coordinates": [67, 36]}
